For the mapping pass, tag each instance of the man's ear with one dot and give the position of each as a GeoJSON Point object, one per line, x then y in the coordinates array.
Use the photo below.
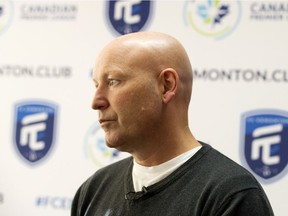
{"type": "Point", "coordinates": [169, 81]}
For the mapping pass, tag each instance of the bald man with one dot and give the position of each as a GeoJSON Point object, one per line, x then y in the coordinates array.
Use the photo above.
{"type": "Point", "coordinates": [143, 87]}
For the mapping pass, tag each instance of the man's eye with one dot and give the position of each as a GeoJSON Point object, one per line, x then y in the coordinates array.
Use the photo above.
{"type": "Point", "coordinates": [112, 82]}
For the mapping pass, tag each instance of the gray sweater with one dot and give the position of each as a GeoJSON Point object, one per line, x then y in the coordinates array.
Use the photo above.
{"type": "Point", "coordinates": [208, 184]}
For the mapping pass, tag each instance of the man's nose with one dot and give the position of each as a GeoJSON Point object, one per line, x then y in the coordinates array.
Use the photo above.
{"type": "Point", "coordinates": [100, 101]}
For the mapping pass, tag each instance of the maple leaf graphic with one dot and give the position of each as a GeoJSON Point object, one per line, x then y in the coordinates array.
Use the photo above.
{"type": "Point", "coordinates": [223, 11]}
{"type": "Point", "coordinates": [212, 12]}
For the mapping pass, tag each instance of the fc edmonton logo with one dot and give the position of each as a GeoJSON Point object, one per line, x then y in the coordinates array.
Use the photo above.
{"type": "Point", "coordinates": [34, 129]}
{"type": "Point", "coordinates": [212, 18]}
{"type": "Point", "coordinates": [96, 150]}
{"type": "Point", "coordinates": [128, 16]}
{"type": "Point", "coordinates": [264, 143]}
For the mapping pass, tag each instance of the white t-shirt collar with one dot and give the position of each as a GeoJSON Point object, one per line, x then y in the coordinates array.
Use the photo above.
{"type": "Point", "coordinates": [145, 176]}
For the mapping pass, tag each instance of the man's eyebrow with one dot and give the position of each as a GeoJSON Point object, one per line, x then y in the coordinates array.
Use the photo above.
{"type": "Point", "coordinates": [107, 73]}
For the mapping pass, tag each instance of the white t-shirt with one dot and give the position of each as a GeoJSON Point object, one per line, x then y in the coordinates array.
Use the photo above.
{"type": "Point", "coordinates": [145, 176]}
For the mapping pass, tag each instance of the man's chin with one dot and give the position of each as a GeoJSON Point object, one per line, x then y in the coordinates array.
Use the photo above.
{"type": "Point", "coordinates": [112, 144]}
{"type": "Point", "coordinates": [118, 146]}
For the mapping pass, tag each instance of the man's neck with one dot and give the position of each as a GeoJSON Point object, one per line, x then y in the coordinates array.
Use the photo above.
{"type": "Point", "coordinates": [163, 152]}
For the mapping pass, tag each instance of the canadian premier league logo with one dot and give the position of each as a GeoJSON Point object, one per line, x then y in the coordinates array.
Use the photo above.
{"type": "Point", "coordinates": [34, 130]}
{"type": "Point", "coordinates": [265, 142]}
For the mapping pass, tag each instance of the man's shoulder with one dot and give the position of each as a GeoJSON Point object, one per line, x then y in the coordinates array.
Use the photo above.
{"type": "Point", "coordinates": [214, 159]}
{"type": "Point", "coordinates": [107, 175]}
{"type": "Point", "coordinates": [225, 171]}
{"type": "Point", "coordinates": [114, 168]}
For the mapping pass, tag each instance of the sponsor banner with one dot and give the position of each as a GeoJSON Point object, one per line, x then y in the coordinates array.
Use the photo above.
{"type": "Point", "coordinates": [264, 143]}
{"type": "Point", "coordinates": [34, 130]}
{"type": "Point", "coordinates": [238, 44]}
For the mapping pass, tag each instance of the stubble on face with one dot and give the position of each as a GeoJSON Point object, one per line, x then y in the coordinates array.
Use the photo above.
{"type": "Point", "coordinates": [137, 108]}
{"type": "Point", "coordinates": [134, 104]}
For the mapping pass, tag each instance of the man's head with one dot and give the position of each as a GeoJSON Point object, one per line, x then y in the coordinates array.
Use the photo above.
{"type": "Point", "coordinates": [143, 88]}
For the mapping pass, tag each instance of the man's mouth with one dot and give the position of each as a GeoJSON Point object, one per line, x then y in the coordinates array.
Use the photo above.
{"type": "Point", "coordinates": [103, 121]}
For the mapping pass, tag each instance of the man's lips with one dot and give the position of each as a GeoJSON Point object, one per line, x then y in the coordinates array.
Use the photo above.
{"type": "Point", "coordinates": [103, 121]}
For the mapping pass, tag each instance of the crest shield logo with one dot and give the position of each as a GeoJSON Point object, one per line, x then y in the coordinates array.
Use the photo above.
{"type": "Point", "coordinates": [264, 143]}
{"type": "Point", "coordinates": [34, 130]}
{"type": "Point", "coordinates": [128, 16]}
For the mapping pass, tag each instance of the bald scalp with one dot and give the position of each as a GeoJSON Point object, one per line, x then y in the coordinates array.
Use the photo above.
{"type": "Point", "coordinates": [159, 48]}
{"type": "Point", "coordinates": [155, 52]}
